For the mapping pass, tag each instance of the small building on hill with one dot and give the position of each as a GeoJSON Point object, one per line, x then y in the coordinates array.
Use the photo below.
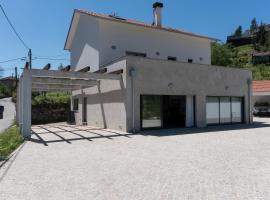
{"type": "Point", "coordinates": [246, 38]}
{"type": "Point", "coordinates": [261, 58]}
{"type": "Point", "coordinates": [8, 81]}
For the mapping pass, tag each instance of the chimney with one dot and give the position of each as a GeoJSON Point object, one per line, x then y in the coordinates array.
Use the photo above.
{"type": "Point", "coordinates": [157, 13]}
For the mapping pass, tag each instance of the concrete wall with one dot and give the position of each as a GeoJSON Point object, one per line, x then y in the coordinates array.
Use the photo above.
{"type": "Point", "coordinates": [110, 105]}
{"type": "Point", "coordinates": [106, 103]}
{"type": "Point", "coordinates": [154, 76]}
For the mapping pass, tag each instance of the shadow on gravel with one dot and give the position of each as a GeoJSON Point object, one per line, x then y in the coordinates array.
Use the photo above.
{"type": "Point", "coordinates": [183, 131]}
{"type": "Point", "coordinates": [61, 130]}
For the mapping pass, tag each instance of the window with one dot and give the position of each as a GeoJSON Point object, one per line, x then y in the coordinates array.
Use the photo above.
{"type": "Point", "coordinates": [113, 47]}
{"type": "Point", "coordinates": [212, 110]}
{"type": "Point", "coordinates": [75, 104]}
{"type": "Point", "coordinates": [224, 110]}
{"type": "Point", "coordinates": [236, 109]}
{"type": "Point", "coordinates": [151, 111]}
{"type": "Point", "coordinates": [190, 60]}
{"type": "Point", "coordinates": [172, 58]}
{"type": "Point", "coordinates": [131, 53]}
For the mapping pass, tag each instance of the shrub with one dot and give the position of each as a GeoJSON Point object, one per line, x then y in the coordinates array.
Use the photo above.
{"type": "Point", "coordinates": [10, 140]}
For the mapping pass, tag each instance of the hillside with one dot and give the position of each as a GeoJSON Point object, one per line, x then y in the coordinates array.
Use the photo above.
{"type": "Point", "coordinates": [239, 57]}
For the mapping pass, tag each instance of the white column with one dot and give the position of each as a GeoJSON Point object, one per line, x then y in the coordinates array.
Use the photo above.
{"type": "Point", "coordinates": [189, 111]}
{"type": "Point", "coordinates": [26, 103]}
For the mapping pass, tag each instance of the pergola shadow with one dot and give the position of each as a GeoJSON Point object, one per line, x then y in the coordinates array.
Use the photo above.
{"type": "Point", "coordinates": [40, 133]}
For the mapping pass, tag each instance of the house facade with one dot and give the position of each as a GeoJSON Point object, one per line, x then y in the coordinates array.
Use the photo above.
{"type": "Point", "coordinates": [167, 80]}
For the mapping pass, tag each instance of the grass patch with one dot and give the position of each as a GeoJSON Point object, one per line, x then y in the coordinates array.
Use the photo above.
{"type": "Point", "coordinates": [10, 140]}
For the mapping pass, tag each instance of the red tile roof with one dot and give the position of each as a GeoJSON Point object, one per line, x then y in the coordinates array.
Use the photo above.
{"type": "Point", "coordinates": [261, 86]}
{"type": "Point", "coordinates": [142, 24]}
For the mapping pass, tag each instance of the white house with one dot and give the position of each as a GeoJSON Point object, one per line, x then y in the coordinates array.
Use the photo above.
{"type": "Point", "coordinates": [167, 78]}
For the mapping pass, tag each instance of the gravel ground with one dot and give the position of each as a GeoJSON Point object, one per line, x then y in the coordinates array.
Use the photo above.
{"type": "Point", "coordinates": [9, 113]}
{"type": "Point", "coordinates": [86, 163]}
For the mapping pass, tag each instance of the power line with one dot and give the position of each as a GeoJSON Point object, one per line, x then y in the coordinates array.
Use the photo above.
{"type": "Point", "coordinates": [14, 59]}
{"type": "Point", "coordinates": [13, 28]}
{"type": "Point", "coordinates": [38, 58]}
{"type": "Point", "coordinates": [54, 56]}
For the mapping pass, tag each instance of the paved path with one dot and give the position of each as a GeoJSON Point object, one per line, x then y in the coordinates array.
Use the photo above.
{"type": "Point", "coordinates": [9, 113]}
{"type": "Point", "coordinates": [73, 162]}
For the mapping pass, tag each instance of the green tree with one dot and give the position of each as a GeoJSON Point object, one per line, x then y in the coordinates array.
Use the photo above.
{"type": "Point", "coordinates": [253, 25]}
{"type": "Point", "coordinates": [238, 31]}
{"type": "Point", "coordinates": [267, 41]}
{"type": "Point", "coordinates": [1, 71]}
{"type": "Point", "coordinates": [60, 67]}
{"type": "Point", "coordinates": [261, 35]}
{"type": "Point", "coordinates": [221, 54]}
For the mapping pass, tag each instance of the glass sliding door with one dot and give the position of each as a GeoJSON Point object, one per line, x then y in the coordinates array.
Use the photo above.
{"type": "Point", "coordinates": [212, 110]}
{"type": "Point", "coordinates": [225, 110]}
{"type": "Point", "coordinates": [237, 110]}
{"type": "Point", "coordinates": [151, 111]}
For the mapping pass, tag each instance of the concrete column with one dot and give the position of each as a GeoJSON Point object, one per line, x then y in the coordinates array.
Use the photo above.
{"type": "Point", "coordinates": [26, 103]}
{"type": "Point", "coordinates": [200, 110]}
{"type": "Point", "coordinates": [17, 103]}
{"type": "Point", "coordinates": [20, 103]}
{"type": "Point", "coordinates": [189, 111]}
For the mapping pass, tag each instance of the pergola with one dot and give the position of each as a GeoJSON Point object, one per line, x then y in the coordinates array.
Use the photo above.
{"type": "Point", "coordinates": [40, 80]}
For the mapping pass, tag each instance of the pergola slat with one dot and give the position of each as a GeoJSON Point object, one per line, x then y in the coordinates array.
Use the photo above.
{"type": "Point", "coordinates": [47, 80]}
{"type": "Point", "coordinates": [72, 74]}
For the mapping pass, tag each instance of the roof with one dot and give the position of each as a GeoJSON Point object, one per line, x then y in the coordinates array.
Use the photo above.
{"type": "Point", "coordinates": [261, 54]}
{"type": "Point", "coordinates": [134, 22]}
{"type": "Point", "coordinates": [261, 86]}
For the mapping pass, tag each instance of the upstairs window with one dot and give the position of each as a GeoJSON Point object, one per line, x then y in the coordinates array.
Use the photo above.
{"type": "Point", "coordinates": [172, 58]}
{"type": "Point", "coordinates": [132, 53]}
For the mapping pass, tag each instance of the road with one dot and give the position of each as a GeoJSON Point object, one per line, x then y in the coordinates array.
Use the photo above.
{"type": "Point", "coordinates": [9, 113]}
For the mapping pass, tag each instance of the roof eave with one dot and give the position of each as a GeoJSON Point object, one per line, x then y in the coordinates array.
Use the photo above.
{"type": "Point", "coordinates": [71, 28]}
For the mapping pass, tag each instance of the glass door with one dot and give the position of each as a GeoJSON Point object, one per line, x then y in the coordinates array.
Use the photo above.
{"type": "Point", "coordinates": [151, 111]}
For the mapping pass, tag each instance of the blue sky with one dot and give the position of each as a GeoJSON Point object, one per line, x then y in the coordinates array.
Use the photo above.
{"type": "Point", "coordinates": [43, 24]}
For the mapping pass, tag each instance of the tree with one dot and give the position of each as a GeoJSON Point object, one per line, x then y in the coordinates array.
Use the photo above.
{"type": "Point", "coordinates": [267, 41]}
{"type": "Point", "coordinates": [238, 31]}
{"type": "Point", "coordinates": [221, 54]}
{"type": "Point", "coordinates": [61, 66]}
{"type": "Point", "coordinates": [261, 35]}
{"type": "Point", "coordinates": [253, 25]}
{"type": "Point", "coordinates": [1, 71]}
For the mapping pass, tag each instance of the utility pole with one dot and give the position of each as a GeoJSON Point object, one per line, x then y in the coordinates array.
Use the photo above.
{"type": "Point", "coordinates": [30, 58]}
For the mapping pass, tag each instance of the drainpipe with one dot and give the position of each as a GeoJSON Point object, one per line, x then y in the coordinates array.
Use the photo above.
{"type": "Point", "coordinates": [249, 82]}
{"type": "Point", "coordinates": [132, 74]}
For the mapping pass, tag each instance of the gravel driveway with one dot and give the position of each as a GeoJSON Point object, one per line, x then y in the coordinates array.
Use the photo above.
{"type": "Point", "coordinates": [76, 162]}
{"type": "Point", "coordinates": [9, 113]}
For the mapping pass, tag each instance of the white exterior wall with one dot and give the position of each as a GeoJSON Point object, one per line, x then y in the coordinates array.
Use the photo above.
{"type": "Point", "coordinates": [94, 38]}
{"type": "Point", "coordinates": [84, 50]}
{"type": "Point", "coordinates": [146, 40]}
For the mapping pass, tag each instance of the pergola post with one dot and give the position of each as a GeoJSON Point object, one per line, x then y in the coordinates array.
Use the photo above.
{"type": "Point", "coordinates": [26, 103]}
